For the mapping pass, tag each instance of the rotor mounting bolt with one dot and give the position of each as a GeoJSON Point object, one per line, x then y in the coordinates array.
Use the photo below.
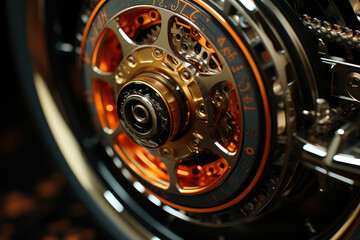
{"type": "Point", "coordinates": [166, 152]}
{"type": "Point", "coordinates": [158, 53]}
{"type": "Point", "coordinates": [131, 60]}
{"type": "Point", "coordinates": [184, 46]}
{"type": "Point", "coordinates": [195, 142]}
{"type": "Point", "coordinates": [201, 110]}
{"type": "Point", "coordinates": [186, 74]}
{"type": "Point", "coordinates": [119, 78]}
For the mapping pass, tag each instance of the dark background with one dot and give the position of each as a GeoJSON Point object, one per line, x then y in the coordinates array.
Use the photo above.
{"type": "Point", "coordinates": [36, 202]}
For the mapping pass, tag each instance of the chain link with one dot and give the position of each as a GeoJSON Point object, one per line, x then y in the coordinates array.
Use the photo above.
{"type": "Point", "coordinates": [332, 33]}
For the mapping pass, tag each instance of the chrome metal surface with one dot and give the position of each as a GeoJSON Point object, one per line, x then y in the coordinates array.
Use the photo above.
{"type": "Point", "coordinates": [211, 114]}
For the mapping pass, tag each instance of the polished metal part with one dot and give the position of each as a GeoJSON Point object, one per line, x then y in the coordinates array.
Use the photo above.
{"type": "Point", "coordinates": [140, 113]}
{"type": "Point", "coordinates": [344, 80]}
{"type": "Point", "coordinates": [323, 117]}
{"type": "Point", "coordinates": [143, 112]}
{"type": "Point", "coordinates": [337, 155]}
{"type": "Point", "coordinates": [333, 33]}
{"type": "Point", "coordinates": [339, 160]}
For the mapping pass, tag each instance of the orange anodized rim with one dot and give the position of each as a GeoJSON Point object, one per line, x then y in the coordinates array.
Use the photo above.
{"type": "Point", "coordinates": [267, 113]}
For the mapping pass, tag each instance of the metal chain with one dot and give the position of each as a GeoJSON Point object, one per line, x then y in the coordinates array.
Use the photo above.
{"type": "Point", "coordinates": [332, 33]}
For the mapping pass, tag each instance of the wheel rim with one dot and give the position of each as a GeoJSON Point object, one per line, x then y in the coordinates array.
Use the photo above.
{"type": "Point", "coordinates": [111, 94]}
{"type": "Point", "coordinates": [147, 57]}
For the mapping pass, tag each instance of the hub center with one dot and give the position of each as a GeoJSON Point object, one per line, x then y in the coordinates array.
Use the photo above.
{"type": "Point", "coordinates": [148, 110]}
{"type": "Point", "coordinates": [140, 113]}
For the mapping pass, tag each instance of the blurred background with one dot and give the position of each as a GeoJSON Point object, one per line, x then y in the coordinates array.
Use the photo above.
{"type": "Point", "coordinates": [36, 202]}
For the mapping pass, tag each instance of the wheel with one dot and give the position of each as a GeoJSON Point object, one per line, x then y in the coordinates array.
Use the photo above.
{"type": "Point", "coordinates": [176, 119]}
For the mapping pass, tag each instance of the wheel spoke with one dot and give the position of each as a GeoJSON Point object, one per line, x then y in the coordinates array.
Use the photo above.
{"type": "Point", "coordinates": [207, 82]}
{"type": "Point", "coordinates": [208, 142]}
{"type": "Point", "coordinates": [171, 170]}
{"type": "Point", "coordinates": [127, 45]}
{"type": "Point", "coordinates": [163, 38]}
{"type": "Point", "coordinates": [111, 135]}
{"type": "Point", "coordinates": [219, 150]}
{"type": "Point", "coordinates": [108, 77]}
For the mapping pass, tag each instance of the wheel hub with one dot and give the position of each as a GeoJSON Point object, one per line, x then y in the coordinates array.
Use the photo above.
{"type": "Point", "coordinates": [148, 110]}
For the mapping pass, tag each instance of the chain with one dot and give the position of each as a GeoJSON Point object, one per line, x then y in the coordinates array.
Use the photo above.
{"type": "Point", "coordinates": [332, 33]}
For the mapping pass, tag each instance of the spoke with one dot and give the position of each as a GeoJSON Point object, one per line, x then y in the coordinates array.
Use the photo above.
{"type": "Point", "coordinates": [163, 39]}
{"type": "Point", "coordinates": [108, 77]}
{"type": "Point", "coordinates": [209, 143]}
{"type": "Point", "coordinates": [111, 135]}
{"type": "Point", "coordinates": [127, 45]}
{"type": "Point", "coordinates": [171, 170]}
{"type": "Point", "coordinates": [207, 82]}
{"type": "Point", "coordinates": [230, 157]}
